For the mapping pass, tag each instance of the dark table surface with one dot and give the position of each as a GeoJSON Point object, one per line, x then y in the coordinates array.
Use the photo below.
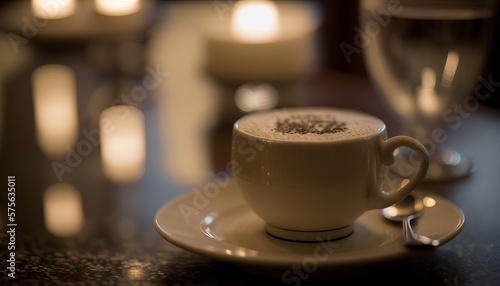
{"type": "Point", "coordinates": [119, 245]}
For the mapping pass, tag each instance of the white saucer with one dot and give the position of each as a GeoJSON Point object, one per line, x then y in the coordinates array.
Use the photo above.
{"type": "Point", "coordinates": [218, 224]}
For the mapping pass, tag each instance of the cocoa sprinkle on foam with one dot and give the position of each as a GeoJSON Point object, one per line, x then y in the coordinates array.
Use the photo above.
{"type": "Point", "coordinates": [309, 124]}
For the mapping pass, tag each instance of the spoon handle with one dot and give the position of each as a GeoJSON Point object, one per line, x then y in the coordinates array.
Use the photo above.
{"type": "Point", "coordinates": [410, 238]}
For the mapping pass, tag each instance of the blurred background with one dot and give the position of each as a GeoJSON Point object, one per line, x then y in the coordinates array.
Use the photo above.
{"type": "Point", "coordinates": [108, 111]}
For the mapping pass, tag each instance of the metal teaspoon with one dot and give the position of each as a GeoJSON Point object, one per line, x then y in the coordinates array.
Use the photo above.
{"type": "Point", "coordinates": [405, 210]}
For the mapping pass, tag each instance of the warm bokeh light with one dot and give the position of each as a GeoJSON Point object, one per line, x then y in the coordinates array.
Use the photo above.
{"type": "Point", "coordinates": [56, 115]}
{"type": "Point", "coordinates": [250, 98]}
{"type": "Point", "coordinates": [429, 202]}
{"type": "Point", "coordinates": [188, 107]}
{"type": "Point", "coordinates": [450, 68]}
{"type": "Point", "coordinates": [392, 211]}
{"type": "Point", "coordinates": [123, 143]}
{"type": "Point", "coordinates": [404, 182]}
{"type": "Point", "coordinates": [63, 210]}
{"type": "Point", "coordinates": [53, 9]}
{"type": "Point", "coordinates": [255, 21]}
{"type": "Point", "coordinates": [117, 7]}
{"type": "Point", "coordinates": [135, 273]}
{"type": "Point", "coordinates": [427, 97]}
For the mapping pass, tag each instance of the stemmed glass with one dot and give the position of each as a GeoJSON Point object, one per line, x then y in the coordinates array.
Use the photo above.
{"type": "Point", "coordinates": [424, 59]}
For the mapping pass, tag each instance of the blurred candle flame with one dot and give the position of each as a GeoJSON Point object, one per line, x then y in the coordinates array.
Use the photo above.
{"type": "Point", "coordinates": [255, 21]}
{"type": "Point", "coordinates": [117, 7]}
{"type": "Point", "coordinates": [123, 147]}
{"type": "Point", "coordinates": [56, 115]}
{"type": "Point", "coordinates": [53, 9]}
{"type": "Point", "coordinates": [63, 210]}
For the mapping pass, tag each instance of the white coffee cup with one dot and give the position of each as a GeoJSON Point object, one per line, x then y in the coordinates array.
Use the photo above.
{"type": "Point", "coordinates": [310, 172]}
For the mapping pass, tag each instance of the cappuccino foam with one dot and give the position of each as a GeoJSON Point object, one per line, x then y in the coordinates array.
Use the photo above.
{"type": "Point", "coordinates": [310, 124]}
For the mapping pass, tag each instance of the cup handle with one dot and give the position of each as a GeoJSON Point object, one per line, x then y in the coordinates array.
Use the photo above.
{"type": "Point", "coordinates": [379, 198]}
